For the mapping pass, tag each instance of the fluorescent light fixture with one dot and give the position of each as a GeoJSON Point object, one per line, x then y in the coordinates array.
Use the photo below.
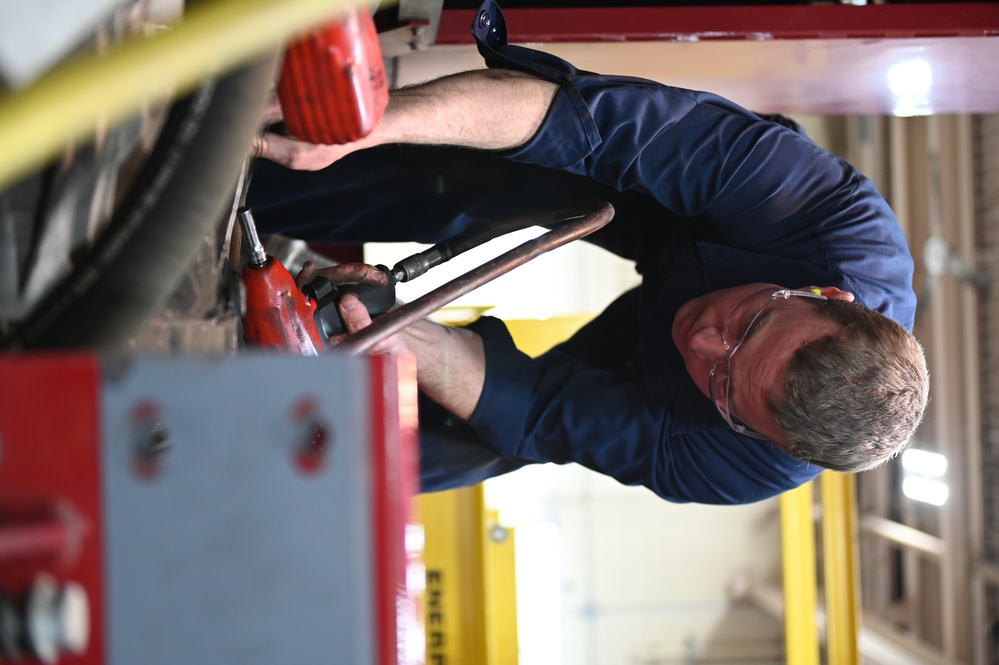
{"type": "Point", "coordinates": [928, 491]}
{"type": "Point", "coordinates": [910, 82]}
{"type": "Point", "coordinates": [922, 476]}
{"type": "Point", "coordinates": [924, 463]}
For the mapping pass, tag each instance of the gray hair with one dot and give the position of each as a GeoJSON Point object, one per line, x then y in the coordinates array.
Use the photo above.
{"type": "Point", "coordinates": [852, 400]}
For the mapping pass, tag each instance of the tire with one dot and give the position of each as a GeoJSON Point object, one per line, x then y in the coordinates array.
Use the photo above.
{"type": "Point", "coordinates": [179, 196]}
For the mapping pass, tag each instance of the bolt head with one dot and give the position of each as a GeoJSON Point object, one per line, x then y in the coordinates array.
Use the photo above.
{"type": "Point", "coordinates": [58, 618]}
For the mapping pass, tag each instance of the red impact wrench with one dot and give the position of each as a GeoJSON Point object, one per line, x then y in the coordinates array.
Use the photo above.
{"type": "Point", "coordinates": [280, 315]}
{"type": "Point", "coordinates": [277, 313]}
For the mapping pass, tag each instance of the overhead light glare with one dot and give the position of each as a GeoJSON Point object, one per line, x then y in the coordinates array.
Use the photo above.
{"type": "Point", "coordinates": [924, 463]}
{"type": "Point", "coordinates": [910, 82]}
{"type": "Point", "coordinates": [928, 491]}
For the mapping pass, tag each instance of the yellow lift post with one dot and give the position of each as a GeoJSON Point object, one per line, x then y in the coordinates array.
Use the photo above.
{"type": "Point", "coordinates": [801, 634]}
{"type": "Point", "coordinates": [840, 571]}
{"type": "Point", "coordinates": [471, 598]}
{"type": "Point", "coordinates": [840, 564]}
{"type": "Point", "coordinates": [470, 610]}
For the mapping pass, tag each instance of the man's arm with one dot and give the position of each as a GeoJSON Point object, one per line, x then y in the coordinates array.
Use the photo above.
{"type": "Point", "coordinates": [485, 109]}
{"type": "Point", "coordinates": [629, 439]}
{"type": "Point", "coordinates": [450, 362]}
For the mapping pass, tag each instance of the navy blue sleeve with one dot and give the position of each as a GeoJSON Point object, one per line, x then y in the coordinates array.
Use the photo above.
{"type": "Point", "coordinates": [555, 409]}
{"type": "Point", "coordinates": [761, 187]}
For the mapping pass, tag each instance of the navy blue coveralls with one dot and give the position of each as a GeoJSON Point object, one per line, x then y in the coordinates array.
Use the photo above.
{"type": "Point", "coordinates": [707, 194]}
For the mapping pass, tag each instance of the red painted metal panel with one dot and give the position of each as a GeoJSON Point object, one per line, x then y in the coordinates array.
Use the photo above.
{"type": "Point", "coordinates": [49, 464]}
{"type": "Point", "coordinates": [394, 482]}
{"type": "Point", "coordinates": [759, 22]}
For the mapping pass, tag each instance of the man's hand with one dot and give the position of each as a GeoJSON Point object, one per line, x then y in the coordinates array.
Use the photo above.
{"type": "Point", "coordinates": [353, 312]}
{"type": "Point", "coordinates": [344, 273]}
{"type": "Point", "coordinates": [292, 152]}
{"type": "Point", "coordinates": [450, 362]}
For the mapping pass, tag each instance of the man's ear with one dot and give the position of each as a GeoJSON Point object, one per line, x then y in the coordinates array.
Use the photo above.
{"type": "Point", "coordinates": [830, 292]}
{"type": "Point", "coordinates": [707, 343]}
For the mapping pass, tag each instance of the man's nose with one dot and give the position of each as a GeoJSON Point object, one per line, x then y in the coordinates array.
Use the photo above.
{"type": "Point", "coordinates": [707, 344]}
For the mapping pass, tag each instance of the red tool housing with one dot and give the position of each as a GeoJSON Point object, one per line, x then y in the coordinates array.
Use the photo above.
{"type": "Point", "coordinates": [278, 315]}
{"type": "Point", "coordinates": [333, 87]}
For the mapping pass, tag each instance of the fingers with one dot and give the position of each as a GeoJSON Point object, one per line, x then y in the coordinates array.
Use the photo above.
{"type": "Point", "coordinates": [352, 310]}
{"type": "Point", "coordinates": [284, 150]}
{"type": "Point", "coordinates": [355, 314]}
{"type": "Point", "coordinates": [357, 273]}
{"type": "Point", "coordinates": [273, 112]}
{"type": "Point", "coordinates": [355, 317]}
{"type": "Point", "coordinates": [306, 274]}
{"type": "Point", "coordinates": [344, 273]}
{"type": "Point", "coordinates": [296, 154]}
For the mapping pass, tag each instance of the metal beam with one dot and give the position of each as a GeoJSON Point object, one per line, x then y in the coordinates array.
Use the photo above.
{"type": "Point", "coordinates": [903, 534]}
{"type": "Point", "coordinates": [760, 22]}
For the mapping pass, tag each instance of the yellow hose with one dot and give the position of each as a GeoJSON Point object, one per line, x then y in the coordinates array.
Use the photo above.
{"type": "Point", "coordinates": [37, 123]}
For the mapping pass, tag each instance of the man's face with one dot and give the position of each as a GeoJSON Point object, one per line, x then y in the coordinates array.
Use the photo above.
{"type": "Point", "coordinates": [759, 364]}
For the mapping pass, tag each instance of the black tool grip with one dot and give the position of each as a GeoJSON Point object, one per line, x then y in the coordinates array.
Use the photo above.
{"type": "Point", "coordinates": [377, 300]}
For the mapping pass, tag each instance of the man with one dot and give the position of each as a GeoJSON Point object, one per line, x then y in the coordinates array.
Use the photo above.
{"type": "Point", "coordinates": [712, 382]}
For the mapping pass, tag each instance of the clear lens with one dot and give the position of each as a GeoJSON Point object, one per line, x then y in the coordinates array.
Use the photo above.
{"type": "Point", "coordinates": [734, 332]}
{"type": "Point", "coordinates": [718, 386]}
{"type": "Point", "coordinates": [742, 318]}
{"type": "Point", "coordinates": [737, 326]}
